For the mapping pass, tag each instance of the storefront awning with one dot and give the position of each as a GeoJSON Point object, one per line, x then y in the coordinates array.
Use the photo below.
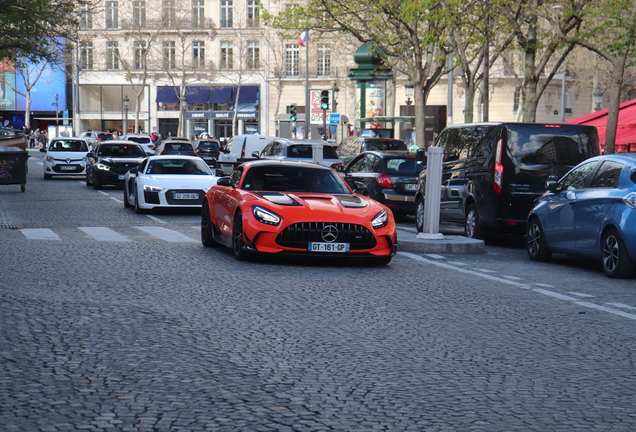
{"type": "Point", "coordinates": [248, 94]}
{"type": "Point", "coordinates": [205, 94]}
{"type": "Point", "coordinates": [167, 94]}
{"type": "Point", "coordinates": [197, 94]}
{"type": "Point", "coordinates": [221, 95]}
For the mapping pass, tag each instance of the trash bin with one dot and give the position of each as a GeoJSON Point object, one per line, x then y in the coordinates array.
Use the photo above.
{"type": "Point", "coordinates": [13, 168]}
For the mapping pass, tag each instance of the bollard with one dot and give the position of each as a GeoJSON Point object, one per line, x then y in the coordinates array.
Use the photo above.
{"type": "Point", "coordinates": [317, 150]}
{"type": "Point", "coordinates": [433, 193]}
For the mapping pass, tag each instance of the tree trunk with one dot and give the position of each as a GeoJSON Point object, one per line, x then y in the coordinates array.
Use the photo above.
{"type": "Point", "coordinates": [616, 82]}
{"type": "Point", "coordinates": [469, 102]}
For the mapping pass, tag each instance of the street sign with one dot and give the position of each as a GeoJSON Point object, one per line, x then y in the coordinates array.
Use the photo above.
{"type": "Point", "coordinates": [334, 119]}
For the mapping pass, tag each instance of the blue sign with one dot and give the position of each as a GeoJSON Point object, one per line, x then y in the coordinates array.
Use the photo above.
{"type": "Point", "coordinates": [334, 119]}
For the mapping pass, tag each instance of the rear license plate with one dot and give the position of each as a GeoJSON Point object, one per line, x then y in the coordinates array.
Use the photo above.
{"type": "Point", "coordinates": [185, 196]}
{"type": "Point", "coordinates": [328, 247]}
{"type": "Point", "coordinates": [67, 168]}
{"type": "Point", "coordinates": [410, 187]}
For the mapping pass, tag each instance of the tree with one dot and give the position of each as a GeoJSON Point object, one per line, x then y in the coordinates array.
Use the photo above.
{"type": "Point", "coordinates": [31, 74]}
{"type": "Point", "coordinates": [30, 26]}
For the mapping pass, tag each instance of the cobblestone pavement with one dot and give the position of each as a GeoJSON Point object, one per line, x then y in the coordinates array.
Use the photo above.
{"type": "Point", "coordinates": [149, 335]}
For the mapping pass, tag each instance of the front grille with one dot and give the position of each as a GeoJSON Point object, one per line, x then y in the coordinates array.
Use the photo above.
{"type": "Point", "coordinates": [298, 235]}
{"type": "Point", "coordinates": [151, 197]}
{"type": "Point", "coordinates": [76, 169]}
{"type": "Point", "coordinates": [170, 197]}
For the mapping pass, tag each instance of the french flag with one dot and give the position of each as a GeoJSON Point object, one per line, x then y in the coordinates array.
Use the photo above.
{"type": "Point", "coordinates": [304, 37]}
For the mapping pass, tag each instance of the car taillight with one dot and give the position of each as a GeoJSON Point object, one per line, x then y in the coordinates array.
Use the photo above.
{"type": "Point", "coordinates": [243, 151]}
{"type": "Point", "coordinates": [336, 165]}
{"type": "Point", "coordinates": [497, 183]}
{"type": "Point", "coordinates": [192, 154]}
{"type": "Point", "coordinates": [197, 150]}
{"type": "Point", "coordinates": [151, 147]}
{"type": "Point", "coordinates": [383, 180]}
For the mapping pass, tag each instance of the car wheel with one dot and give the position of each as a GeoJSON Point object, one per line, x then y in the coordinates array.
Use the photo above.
{"type": "Point", "coordinates": [537, 246]}
{"type": "Point", "coordinates": [472, 225]}
{"type": "Point", "coordinates": [47, 176]}
{"type": "Point", "coordinates": [419, 214]}
{"type": "Point", "coordinates": [88, 182]}
{"type": "Point", "coordinates": [126, 197]}
{"type": "Point", "coordinates": [616, 262]}
{"type": "Point", "coordinates": [237, 238]}
{"type": "Point", "coordinates": [207, 229]}
{"type": "Point", "coordinates": [138, 209]}
{"type": "Point", "coordinates": [96, 185]}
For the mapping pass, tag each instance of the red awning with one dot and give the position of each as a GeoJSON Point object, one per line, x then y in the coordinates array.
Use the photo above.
{"type": "Point", "coordinates": [626, 130]}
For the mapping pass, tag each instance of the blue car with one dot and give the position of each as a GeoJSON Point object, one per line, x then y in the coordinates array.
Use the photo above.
{"type": "Point", "coordinates": [590, 212]}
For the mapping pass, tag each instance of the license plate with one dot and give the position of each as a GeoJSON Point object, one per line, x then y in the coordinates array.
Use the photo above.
{"type": "Point", "coordinates": [121, 177]}
{"type": "Point", "coordinates": [410, 187]}
{"type": "Point", "coordinates": [328, 247]}
{"type": "Point", "coordinates": [67, 168]}
{"type": "Point", "coordinates": [185, 196]}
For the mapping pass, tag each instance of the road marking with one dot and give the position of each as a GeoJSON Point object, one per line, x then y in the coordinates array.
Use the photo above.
{"type": "Point", "coordinates": [103, 234]}
{"type": "Point", "coordinates": [458, 263]}
{"type": "Point", "coordinates": [435, 256]}
{"type": "Point", "coordinates": [578, 294]}
{"type": "Point", "coordinates": [485, 270]}
{"type": "Point", "coordinates": [521, 285]}
{"type": "Point", "coordinates": [39, 234]}
{"type": "Point", "coordinates": [544, 285]}
{"type": "Point", "coordinates": [512, 277]}
{"type": "Point", "coordinates": [622, 306]}
{"type": "Point", "coordinates": [167, 235]}
{"type": "Point", "coordinates": [156, 219]}
{"type": "Point", "coordinates": [104, 193]}
{"type": "Point", "coordinates": [116, 199]}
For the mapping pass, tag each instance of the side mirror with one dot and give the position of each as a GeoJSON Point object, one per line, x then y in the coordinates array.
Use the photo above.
{"type": "Point", "coordinates": [90, 154]}
{"type": "Point", "coordinates": [224, 181]}
{"type": "Point", "coordinates": [552, 185]}
{"type": "Point", "coordinates": [340, 168]}
{"type": "Point", "coordinates": [420, 156]}
{"type": "Point", "coordinates": [134, 170]}
{"type": "Point", "coordinates": [256, 154]}
{"type": "Point", "coordinates": [360, 187]}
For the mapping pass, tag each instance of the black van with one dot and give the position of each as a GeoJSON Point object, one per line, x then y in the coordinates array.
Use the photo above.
{"type": "Point", "coordinates": [493, 172]}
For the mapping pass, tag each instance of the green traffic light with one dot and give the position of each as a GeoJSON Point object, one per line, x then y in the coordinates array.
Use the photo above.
{"type": "Point", "coordinates": [292, 118]}
{"type": "Point", "coordinates": [325, 106]}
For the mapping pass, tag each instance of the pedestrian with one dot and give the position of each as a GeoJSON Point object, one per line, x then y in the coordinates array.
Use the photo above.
{"type": "Point", "coordinates": [42, 141]}
{"type": "Point", "coordinates": [32, 139]}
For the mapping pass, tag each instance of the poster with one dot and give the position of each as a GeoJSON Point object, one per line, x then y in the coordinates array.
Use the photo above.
{"type": "Point", "coordinates": [7, 83]}
{"type": "Point", "coordinates": [375, 95]}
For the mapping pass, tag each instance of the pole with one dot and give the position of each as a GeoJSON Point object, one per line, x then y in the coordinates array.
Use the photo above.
{"type": "Point", "coordinates": [57, 115]}
{"type": "Point", "coordinates": [307, 95]}
{"type": "Point", "coordinates": [485, 101]}
{"type": "Point", "coordinates": [449, 102]}
{"type": "Point", "coordinates": [563, 85]}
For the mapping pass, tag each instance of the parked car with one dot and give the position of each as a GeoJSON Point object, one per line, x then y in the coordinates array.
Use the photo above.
{"type": "Point", "coordinates": [389, 177]}
{"type": "Point", "coordinates": [299, 149]}
{"type": "Point", "coordinates": [176, 147]}
{"type": "Point", "coordinates": [350, 147]}
{"type": "Point", "coordinates": [295, 208]}
{"type": "Point", "coordinates": [208, 150]}
{"type": "Point", "coordinates": [109, 162]}
{"type": "Point", "coordinates": [590, 212]}
{"type": "Point", "coordinates": [493, 172]}
{"type": "Point", "coordinates": [144, 140]}
{"type": "Point", "coordinates": [65, 157]}
{"type": "Point", "coordinates": [240, 148]}
{"type": "Point", "coordinates": [167, 181]}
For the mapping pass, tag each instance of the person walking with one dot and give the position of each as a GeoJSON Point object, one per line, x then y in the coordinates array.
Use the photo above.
{"type": "Point", "coordinates": [43, 141]}
{"type": "Point", "coordinates": [32, 138]}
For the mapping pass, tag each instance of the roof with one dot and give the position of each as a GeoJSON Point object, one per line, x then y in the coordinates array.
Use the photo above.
{"type": "Point", "coordinates": [626, 130]}
{"type": "Point", "coordinates": [286, 162]}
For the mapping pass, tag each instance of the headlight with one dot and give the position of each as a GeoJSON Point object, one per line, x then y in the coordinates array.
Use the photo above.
{"type": "Point", "coordinates": [102, 167]}
{"type": "Point", "coordinates": [630, 199]}
{"type": "Point", "coordinates": [50, 159]}
{"type": "Point", "coordinates": [148, 188]}
{"type": "Point", "coordinates": [380, 220]}
{"type": "Point", "coordinates": [265, 216]}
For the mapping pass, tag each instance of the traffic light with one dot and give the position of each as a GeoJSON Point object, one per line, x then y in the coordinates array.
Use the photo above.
{"type": "Point", "coordinates": [292, 112]}
{"type": "Point", "coordinates": [324, 99]}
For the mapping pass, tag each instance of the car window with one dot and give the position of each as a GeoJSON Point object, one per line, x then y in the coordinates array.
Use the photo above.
{"type": "Point", "coordinates": [356, 165]}
{"type": "Point", "coordinates": [228, 145]}
{"type": "Point", "coordinates": [381, 145]}
{"type": "Point", "coordinates": [577, 178]}
{"type": "Point", "coordinates": [402, 166]}
{"type": "Point", "coordinates": [371, 163]}
{"type": "Point", "coordinates": [607, 175]}
{"type": "Point", "coordinates": [140, 140]}
{"type": "Point", "coordinates": [120, 150]}
{"type": "Point", "coordinates": [329, 152]}
{"type": "Point", "coordinates": [235, 177]}
{"type": "Point", "coordinates": [68, 146]}
{"type": "Point", "coordinates": [208, 145]}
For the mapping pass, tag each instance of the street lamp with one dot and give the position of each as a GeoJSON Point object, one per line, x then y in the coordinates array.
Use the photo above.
{"type": "Point", "coordinates": [126, 105]}
{"type": "Point", "coordinates": [334, 96]}
{"type": "Point", "coordinates": [564, 77]}
{"type": "Point", "coordinates": [409, 90]}
{"type": "Point", "coordinates": [57, 114]}
{"type": "Point", "coordinates": [598, 97]}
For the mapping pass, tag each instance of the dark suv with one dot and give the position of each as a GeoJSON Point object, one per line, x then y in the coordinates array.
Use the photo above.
{"type": "Point", "coordinates": [108, 162]}
{"type": "Point", "coordinates": [493, 172]}
{"type": "Point", "coordinates": [208, 150]}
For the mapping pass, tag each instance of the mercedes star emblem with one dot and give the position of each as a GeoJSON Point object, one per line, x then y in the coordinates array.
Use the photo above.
{"type": "Point", "coordinates": [329, 233]}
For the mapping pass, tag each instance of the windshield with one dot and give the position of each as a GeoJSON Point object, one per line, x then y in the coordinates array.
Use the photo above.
{"type": "Point", "coordinates": [552, 144]}
{"type": "Point", "coordinates": [121, 150]}
{"type": "Point", "coordinates": [178, 146]}
{"type": "Point", "coordinates": [178, 166]}
{"type": "Point", "coordinates": [68, 146]}
{"type": "Point", "coordinates": [294, 179]}
{"type": "Point", "coordinates": [305, 151]}
{"type": "Point", "coordinates": [208, 145]}
{"type": "Point", "coordinates": [380, 144]}
{"type": "Point", "coordinates": [140, 140]}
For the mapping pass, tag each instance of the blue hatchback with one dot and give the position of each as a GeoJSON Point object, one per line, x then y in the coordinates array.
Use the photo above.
{"type": "Point", "coordinates": [590, 212]}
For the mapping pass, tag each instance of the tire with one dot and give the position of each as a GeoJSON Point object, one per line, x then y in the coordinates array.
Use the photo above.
{"type": "Point", "coordinates": [536, 245]}
{"type": "Point", "coordinates": [96, 185]}
{"type": "Point", "coordinates": [138, 209]}
{"type": "Point", "coordinates": [47, 176]}
{"type": "Point", "coordinates": [88, 182]}
{"type": "Point", "coordinates": [472, 223]}
{"type": "Point", "coordinates": [419, 214]}
{"type": "Point", "coordinates": [237, 238]}
{"type": "Point", "coordinates": [616, 262]}
{"type": "Point", "coordinates": [126, 197]}
{"type": "Point", "coordinates": [207, 229]}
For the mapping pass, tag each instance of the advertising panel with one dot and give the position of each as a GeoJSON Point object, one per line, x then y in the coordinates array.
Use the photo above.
{"type": "Point", "coordinates": [7, 83]}
{"type": "Point", "coordinates": [375, 95]}
{"type": "Point", "coordinates": [50, 83]}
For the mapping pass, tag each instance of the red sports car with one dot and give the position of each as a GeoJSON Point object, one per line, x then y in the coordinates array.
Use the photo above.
{"type": "Point", "coordinates": [297, 208]}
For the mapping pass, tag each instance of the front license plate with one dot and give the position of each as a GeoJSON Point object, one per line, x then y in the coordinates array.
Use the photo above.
{"type": "Point", "coordinates": [185, 196]}
{"type": "Point", "coordinates": [121, 177]}
{"type": "Point", "coordinates": [68, 168]}
{"type": "Point", "coordinates": [328, 247]}
{"type": "Point", "coordinates": [410, 187]}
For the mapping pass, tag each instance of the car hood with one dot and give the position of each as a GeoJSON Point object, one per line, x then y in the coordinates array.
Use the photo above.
{"type": "Point", "coordinates": [62, 155]}
{"type": "Point", "coordinates": [120, 160]}
{"type": "Point", "coordinates": [322, 202]}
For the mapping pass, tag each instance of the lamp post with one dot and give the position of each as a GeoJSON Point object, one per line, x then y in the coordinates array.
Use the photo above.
{"type": "Point", "coordinates": [334, 96]}
{"type": "Point", "coordinates": [563, 93]}
{"type": "Point", "coordinates": [598, 97]}
{"type": "Point", "coordinates": [409, 91]}
{"type": "Point", "coordinates": [57, 114]}
{"type": "Point", "coordinates": [126, 105]}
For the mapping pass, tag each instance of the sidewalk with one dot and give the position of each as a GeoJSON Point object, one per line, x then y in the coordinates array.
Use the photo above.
{"type": "Point", "coordinates": [451, 243]}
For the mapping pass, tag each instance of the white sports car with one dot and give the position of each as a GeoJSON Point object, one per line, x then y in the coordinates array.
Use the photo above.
{"type": "Point", "coordinates": [167, 181]}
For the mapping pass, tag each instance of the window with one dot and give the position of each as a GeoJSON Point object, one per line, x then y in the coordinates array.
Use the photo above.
{"type": "Point", "coordinates": [291, 60]}
{"type": "Point", "coordinates": [324, 60]}
{"type": "Point", "coordinates": [112, 56]}
{"type": "Point", "coordinates": [607, 175]}
{"type": "Point", "coordinates": [227, 56]}
{"type": "Point", "coordinates": [516, 98]}
{"type": "Point", "coordinates": [168, 13]}
{"type": "Point", "coordinates": [139, 13]}
{"type": "Point", "coordinates": [112, 15]}
{"type": "Point", "coordinates": [252, 13]}
{"type": "Point", "coordinates": [226, 13]}
{"type": "Point", "coordinates": [86, 18]}
{"type": "Point", "coordinates": [198, 13]}
{"type": "Point", "coordinates": [86, 55]}
{"type": "Point", "coordinates": [169, 54]}
{"type": "Point", "coordinates": [577, 178]}
{"type": "Point", "coordinates": [139, 62]}
{"type": "Point", "coordinates": [253, 55]}
{"type": "Point", "coordinates": [198, 55]}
